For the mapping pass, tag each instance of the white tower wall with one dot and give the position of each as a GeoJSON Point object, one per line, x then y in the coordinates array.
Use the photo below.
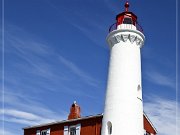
{"type": "Point", "coordinates": [123, 104]}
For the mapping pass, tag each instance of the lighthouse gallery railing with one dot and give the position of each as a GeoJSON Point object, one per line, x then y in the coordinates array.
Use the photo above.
{"type": "Point", "coordinates": [114, 27]}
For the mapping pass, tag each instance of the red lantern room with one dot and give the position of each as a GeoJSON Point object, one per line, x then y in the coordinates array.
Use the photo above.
{"type": "Point", "coordinates": [126, 17]}
{"type": "Point", "coordinates": [129, 19]}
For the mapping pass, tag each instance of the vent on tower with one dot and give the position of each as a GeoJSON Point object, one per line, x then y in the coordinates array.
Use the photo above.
{"type": "Point", "coordinates": [74, 111]}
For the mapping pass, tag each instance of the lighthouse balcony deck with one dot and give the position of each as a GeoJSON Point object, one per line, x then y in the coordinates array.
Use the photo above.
{"type": "Point", "coordinates": [115, 26]}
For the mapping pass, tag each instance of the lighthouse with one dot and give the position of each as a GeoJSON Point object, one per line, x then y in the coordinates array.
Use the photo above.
{"type": "Point", "coordinates": [123, 111]}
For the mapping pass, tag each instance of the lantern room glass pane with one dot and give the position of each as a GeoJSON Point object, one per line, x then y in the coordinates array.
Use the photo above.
{"type": "Point", "coordinates": [127, 20]}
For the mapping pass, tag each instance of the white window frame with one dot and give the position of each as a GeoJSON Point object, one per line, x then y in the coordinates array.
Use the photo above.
{"type": "Point", "coordinates": [38, 132]}
{"type": "Point", "coordinates": [66, 130]}
{"type": "Point", "coordinates": [78, 129]}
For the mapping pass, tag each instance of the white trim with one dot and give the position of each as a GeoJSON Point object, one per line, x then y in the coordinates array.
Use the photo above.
{"type": "Point", "coordinates": [78, 129]}
{"type": "Point", "coordinates": [66, 130]}
{"type": "Point", "coordinates": [87, 117]}
{"type": "Point", "coordinates": [38, 132]}
{"type": "Point", "coordinates": [48, 131]}
{"type": "Point", "coordinates": [64, 121]}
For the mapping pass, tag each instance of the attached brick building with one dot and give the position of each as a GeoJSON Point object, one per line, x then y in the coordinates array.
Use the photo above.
{"type": "Point", "coordinates": [77, 125]}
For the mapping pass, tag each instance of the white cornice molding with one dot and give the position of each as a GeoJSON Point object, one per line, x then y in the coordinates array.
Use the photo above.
{"type": "Point", "coordinates": [123, 35]}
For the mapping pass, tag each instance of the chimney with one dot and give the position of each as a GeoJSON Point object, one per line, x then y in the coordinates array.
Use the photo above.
{"type": "Point", "coordinates": [74, 111]}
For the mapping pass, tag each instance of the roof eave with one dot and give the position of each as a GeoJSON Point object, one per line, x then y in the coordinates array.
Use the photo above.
{"type": "Point", "coordinates": [64, 121]}
{"type": "Point", "coordinates": [150, 122]}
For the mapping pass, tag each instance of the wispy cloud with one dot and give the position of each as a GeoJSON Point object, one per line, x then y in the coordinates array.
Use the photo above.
{"type": "Point", "coordinates": [22, 117]}
{"type": "Point", "coordinates": [76, 70]}
{"type": "Point", "coordinates": [37, 53]}
{"type": "Point", "coordinates": [112, 7]}
{"type": "Point", "coordinates": [162, 113]}
{"type": "Point", "coordinates": [19, 114]}
{"type": "Point", "coordinates": [89, 32]}
{"type": "Point", "coordinates": [32, 51]}
{"type": "Point", "coordinates": [160, 79]}
{"type": "Point", "coordinates": [4, 132]}
{"type": "Point", "coordinates": [22, 111]}
{"type": "Point", "coordinates": [80, 21]}
{"type": "Point", "coordinates": [31, 107]}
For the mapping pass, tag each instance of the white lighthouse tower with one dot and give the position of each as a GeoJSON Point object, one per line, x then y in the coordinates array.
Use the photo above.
{"type": "Point", "coordinates": [123, 111]}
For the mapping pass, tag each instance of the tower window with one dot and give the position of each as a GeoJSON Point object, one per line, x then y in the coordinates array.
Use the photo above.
{"type": "Point", "coordinates": [127, 20]}
{"type": "Point", "coordinates": [139, 87]}
{"type": "Point", "coordinates": [109, 126]}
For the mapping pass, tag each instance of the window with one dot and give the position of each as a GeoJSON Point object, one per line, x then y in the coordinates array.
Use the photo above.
{"type": "Point", "coordinates": [127, 20]}
{"type": "Point", "coordinates": [139, 92]}
{"type": "Point", "coordinates": [109, 126]}
{"type": "Point", "coordinates": [72, 131]}
{"type": "Point", "coordinates": [45, 132]}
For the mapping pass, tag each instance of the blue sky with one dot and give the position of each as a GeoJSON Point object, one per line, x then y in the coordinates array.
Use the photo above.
{"type": "Point", "coordinates": [55, 52]}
